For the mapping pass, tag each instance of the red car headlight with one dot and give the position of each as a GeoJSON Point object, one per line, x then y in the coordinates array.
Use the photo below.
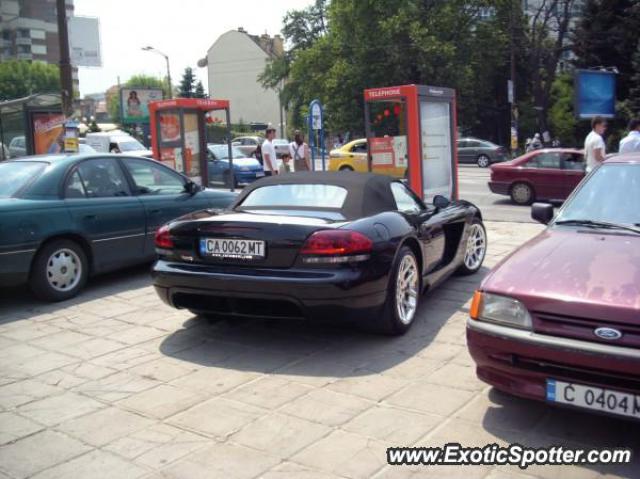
{"type": "Point", "coordinates": [499, 309]}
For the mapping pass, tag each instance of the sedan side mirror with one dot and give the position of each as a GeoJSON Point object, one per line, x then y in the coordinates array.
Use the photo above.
{"type": "Point", "coordinates": [542, 212]}
{"type": "Point", "coordinates": [191, 188]}
{"type": "Point", "coordinates": [440, 202]}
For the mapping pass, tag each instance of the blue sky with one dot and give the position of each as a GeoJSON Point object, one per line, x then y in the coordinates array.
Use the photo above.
{"type": "Point", "coordinates": [183, 29]}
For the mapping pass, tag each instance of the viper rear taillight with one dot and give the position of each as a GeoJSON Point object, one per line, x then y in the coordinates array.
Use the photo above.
{"type": "Point", "coordinates": [336, 246]}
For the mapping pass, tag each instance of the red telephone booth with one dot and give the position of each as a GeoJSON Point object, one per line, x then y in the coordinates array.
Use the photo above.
{"type": "Point", "coordinates": [178, 134]}
{"type": "Point", "coordinates": [411, 133]}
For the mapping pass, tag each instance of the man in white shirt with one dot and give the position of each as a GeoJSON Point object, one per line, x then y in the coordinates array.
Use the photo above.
{"type": "Point", "coordinates": [269, 160]}
{"type": "Point", "coordinates": [594, 147]}
{"type": "Point", "coordinates": [631, 142]}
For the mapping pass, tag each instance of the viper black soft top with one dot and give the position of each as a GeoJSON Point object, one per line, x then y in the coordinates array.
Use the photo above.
{"type": "Point", "coordinates": [367, 193]}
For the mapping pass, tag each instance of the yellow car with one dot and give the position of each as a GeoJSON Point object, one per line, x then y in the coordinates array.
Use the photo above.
{"type": "Point", "coordinates": [351, 156]}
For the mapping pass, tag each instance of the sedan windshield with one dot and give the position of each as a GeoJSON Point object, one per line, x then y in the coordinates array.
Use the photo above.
{"type": "Point", "coordinates": [611, 195]}
{"type": "Point", "coordinates": [221, 152]}
{"type": "Point", "coordinates": [301, 196]}
{"type": "Point", "coordinates": [16, 174]}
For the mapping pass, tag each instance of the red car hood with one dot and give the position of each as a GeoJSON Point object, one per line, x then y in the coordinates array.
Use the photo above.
{"type": "Point", "coordinates": [575, 272]}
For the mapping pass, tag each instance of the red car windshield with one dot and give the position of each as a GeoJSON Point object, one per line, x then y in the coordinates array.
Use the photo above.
{"type": "Point", "coordinates": [611, 194]}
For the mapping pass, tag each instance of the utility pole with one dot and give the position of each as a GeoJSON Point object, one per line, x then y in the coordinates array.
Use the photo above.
{"type": "Point", "coordinates": [66, 79]}
{"type": "Point", "coordinates": [512, 83]}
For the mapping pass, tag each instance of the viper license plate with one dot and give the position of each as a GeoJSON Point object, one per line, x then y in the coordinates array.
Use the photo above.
{"type": "Point", "coordinates": [232, 248]}
{"type": "Point", "coordinates": [597, 399]}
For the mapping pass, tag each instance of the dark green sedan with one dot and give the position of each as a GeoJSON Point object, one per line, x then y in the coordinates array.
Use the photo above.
{"type": "Point", "coordinates": [64, 218]}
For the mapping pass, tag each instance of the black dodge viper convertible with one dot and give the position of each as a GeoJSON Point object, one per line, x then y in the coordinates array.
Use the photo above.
{"type": "Point", "coordinates": [318, 245]}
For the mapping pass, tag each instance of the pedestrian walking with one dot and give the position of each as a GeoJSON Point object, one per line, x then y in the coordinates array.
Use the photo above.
{"type": "Point", "coordinates": [269, 160]}
{"type": "Point", "coordinates": [631, 142]}
{"type": "Point", "coordinates": [594, 147]}
{"type": "Point", "coordinates": [299, 151]}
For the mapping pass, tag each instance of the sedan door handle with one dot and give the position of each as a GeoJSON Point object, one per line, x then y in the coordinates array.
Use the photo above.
{"type": "Point", "coordinates": [90, 217]}
{"type": "Point", "coordinates": [154, 212]}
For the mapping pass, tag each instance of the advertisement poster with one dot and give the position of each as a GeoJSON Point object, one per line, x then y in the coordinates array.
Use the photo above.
{"type": "Point", "coordinates": [48, 133]}
{"type": "Point", "coordinates": [135, 103]}
{"type": "Point", "coordinates": [382, 152]}
{"type": "Point", "coordinates": [169, 127]}
{"type": "Point", "coordinates": [192, 146]}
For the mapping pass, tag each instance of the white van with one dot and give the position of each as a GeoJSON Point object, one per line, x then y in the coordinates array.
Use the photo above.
{"type": "Point", "coordinates": [116, 142]}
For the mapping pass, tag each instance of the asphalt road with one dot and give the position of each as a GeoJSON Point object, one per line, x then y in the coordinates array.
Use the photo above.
{"type": "Point", "coordinates": [472, 182]}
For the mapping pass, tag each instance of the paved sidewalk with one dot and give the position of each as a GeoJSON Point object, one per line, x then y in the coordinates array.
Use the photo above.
{"type": "Point", "coordinates": [114, 384]}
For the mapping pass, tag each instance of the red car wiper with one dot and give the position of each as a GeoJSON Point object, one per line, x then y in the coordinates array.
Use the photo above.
{"type": "Point", "coordinates": [599, 224]}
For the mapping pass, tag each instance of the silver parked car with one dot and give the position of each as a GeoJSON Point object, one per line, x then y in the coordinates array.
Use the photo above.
{"type": "Point", "coordinates": [247, 144]}
{"type": "Point", "coordinates": [481, 152]}
{"type": "Point", "coordinates": [18, 147]}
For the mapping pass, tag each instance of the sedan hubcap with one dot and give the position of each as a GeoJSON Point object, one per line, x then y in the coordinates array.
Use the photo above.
{"type": "Point", "coordinates": [64, 270]}
{"type": "Point", "coordinates": [521, 193]}
{"type": "Point", "coordinates": [407, 289]}
{"type": "Point", "coordinates": [476, 247]}
{"type": "Point", "coordinates": [483, 161]}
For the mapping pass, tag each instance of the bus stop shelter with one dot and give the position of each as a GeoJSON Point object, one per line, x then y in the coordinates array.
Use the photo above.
{"type": "Point", "coordinates": [36, 121]}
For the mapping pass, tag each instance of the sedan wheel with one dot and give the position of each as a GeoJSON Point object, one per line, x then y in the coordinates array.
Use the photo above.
{"type": "Point", "coordinates": [64, 270]}
{"type": "Point", "coordinates": [475, 249]}
{"type": "Point", "coordinates": [521, 194]}
{"type": "Point", "coordinates": [346, 168]}
{"type": "Point", "coordinates": [483, 161]}
{"type": "Point", "coordinates": [59, 271]}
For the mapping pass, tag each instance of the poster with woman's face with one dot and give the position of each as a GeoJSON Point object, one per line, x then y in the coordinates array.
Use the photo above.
{"type": "Point", "coordinates": [169, 127]}
{"type": "Point", "coordinates": [135, 103]}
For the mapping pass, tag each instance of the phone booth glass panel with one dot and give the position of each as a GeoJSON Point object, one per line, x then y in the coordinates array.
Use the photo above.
{"type": "Point", "coordinates": [435, 133]}
{"type": "Point", "coordinates": [388, 140]}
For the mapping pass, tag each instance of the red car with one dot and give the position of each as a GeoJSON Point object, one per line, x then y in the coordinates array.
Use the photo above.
{"type": "Point", "coordinates": [549, 174]}
{"type": "Point", "coordinates": [559, 319]}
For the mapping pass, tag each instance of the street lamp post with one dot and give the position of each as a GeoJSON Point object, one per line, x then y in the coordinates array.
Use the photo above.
{"type": "Point", "coordinates": [166, 57]}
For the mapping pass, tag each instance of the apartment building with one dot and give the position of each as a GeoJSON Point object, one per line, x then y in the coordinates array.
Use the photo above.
{"type": "Point", "coordinates": [29, 31]}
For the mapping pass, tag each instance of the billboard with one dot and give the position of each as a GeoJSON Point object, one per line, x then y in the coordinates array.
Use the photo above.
{"type": "Point", "coordinates": [48, 132]}
{"type": "Point", "coordinates": [84, 42]}
{"type": "Point", "coordinates": [134, 103]}
{"type": "Point", "coordinates": [595, 93]}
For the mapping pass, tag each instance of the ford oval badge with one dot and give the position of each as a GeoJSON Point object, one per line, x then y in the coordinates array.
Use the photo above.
{"type": "Point", "coordinates": [608, 333]}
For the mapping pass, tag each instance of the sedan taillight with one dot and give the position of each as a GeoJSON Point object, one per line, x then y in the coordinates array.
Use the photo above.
{"type": "Point", "coordinates": [163, 238]}
{"type": "Point", "coordinates": [336, 246]}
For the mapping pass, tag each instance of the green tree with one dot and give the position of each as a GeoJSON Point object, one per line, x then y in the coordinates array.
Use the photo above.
{"type": "Point", "coordinates": [20, 78]}
{"type": "Point", "coordinates": [358, 44]}
{"type": "Point", "coordinates": [199, 91]}
{"type": "Point", "coordinates": [562, 119]}
{"type": "Point", "coordinates": [634, 89]}
{"type": "Point", "coordinates": [186, 89]}
{"type": "Point", "coordinates": [548, 40]}
{"type": "Point", "coordinates": [136, 81]}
